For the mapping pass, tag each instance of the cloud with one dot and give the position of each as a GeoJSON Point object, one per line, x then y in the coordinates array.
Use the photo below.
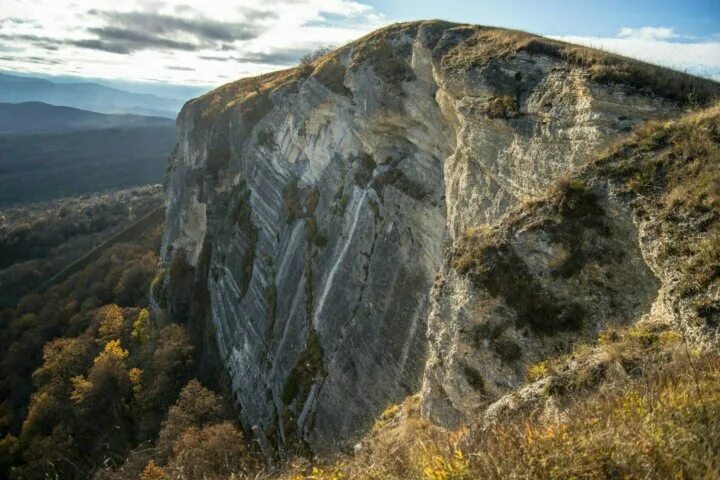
{"type": "Point", "coordinates": [662, 46]}
{"type": "Point", "coordinates": [15, 21]}
{"type": "Point", "coordinates": [201, 28]}
{"type": "Point", "coordinates": [279, 57]}
{"type": "Point", "coordinates": [647, 33]}
{"type": "Point", "coordinates": [175, 40]}
{"type": "Point", "coordinates": [126, 41]}
{"type": "Point", "coordinates": [34, 60]}
{"type": "Point", "coordinates": [95, 44]}
{"type": "Point", "coordinates": [46, 43]}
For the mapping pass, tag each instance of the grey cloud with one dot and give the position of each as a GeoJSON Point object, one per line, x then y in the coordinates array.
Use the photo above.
{"type": "Point", "coordinates": [36, 60]}
{"type": "Point", "coordinates": [254, 14]}
{"type": "Point", "coordinates": [94, 44]}
{"type": "Point", "coordinates": [108, 39]}
{"type": "Point", "coordinates": [46, 43]}
{"type": "Point", "coordinates": [135, 40]}
{"type": "Point", "coordinates": [30, 38]}
{"type": "Point", "coordinates": [17, 21]}
{"type": "Point", "coordinates": [203, 29]}
{"type": "Point", "coordinates": [280, 57]}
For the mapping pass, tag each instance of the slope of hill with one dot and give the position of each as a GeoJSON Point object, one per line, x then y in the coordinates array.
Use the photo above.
{"type": "Point", "coordinates": [38, 117]}
{"type": "Point", "coordinates": [85, 96]}
{"type": "Point", "coordinates": [38, 240]}
{"type": "Point", "coordinates": [40, 167]}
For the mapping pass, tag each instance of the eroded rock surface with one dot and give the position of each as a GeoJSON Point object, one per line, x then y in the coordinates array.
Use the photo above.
{"type": "Point", "coordinates": [307, 212]}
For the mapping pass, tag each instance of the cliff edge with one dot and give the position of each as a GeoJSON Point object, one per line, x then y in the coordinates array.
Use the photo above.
{"type": "Point", "coordinates": [316, 218]}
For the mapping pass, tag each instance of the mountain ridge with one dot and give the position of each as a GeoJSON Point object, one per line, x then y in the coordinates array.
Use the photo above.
{"type": "Point", "coordinates": [39, 117]}
{"type": "Point", "coordinates": [85, 96]}
{"type": "Point", "coordinates": [360, 165]}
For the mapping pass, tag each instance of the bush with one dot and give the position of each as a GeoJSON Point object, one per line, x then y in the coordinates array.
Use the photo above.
{"type": "Point", "coordinates": [153, 472]}
{"type": "Point", "coordinates": [214, 452]}
{"type": "Point", "coordinates": [502, 107]}
{"type": "Point", "coordinates": [308, 60]}
{"type": "Point", "coordinates": [195, 407]}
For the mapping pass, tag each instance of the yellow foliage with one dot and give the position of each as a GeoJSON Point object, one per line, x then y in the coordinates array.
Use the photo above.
{"type": "Point", "coordinates": [141, 327]}
{"type": "Point", "coordinates": [318, 473]}
{"type": "Point", "coordinates": [153, 472]}
{"type": "Point", "coordinates": [135, 375]}
{"type": "Point", "coordinates": [81, 386]}
{"type": "Point", "coordinates": [111, 321]}
{"type": "Point", "coordinates": [537, 371]}
{"type": "Point", "coordinates": [436, 466]}
{"type": "Point", "coordinates": [113, 350]}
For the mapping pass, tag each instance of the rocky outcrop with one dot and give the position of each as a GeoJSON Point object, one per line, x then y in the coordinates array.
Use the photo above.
{"type": "Point", "coordinates": [633, 237]}
{"type": "Point", "coordinates": [308, 209]}
{"type": "Point", "coordinates": [527, 289]}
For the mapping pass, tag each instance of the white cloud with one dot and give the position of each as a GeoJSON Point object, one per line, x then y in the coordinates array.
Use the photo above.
{"type": "Point", "coordinates": [647, 33]}
{"type": "Point", "coordinates": [661, 46]}
{"type": "Point", "coordinates": [175, 41]}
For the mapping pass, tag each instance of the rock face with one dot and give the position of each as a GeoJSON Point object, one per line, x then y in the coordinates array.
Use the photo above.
{"type": "Point", "coordinates": [308, 210]}
{"type": "Point", "coordinates": [528, 288]}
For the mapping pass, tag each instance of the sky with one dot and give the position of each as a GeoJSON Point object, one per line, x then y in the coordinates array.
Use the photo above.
{"type": "Point", "coordinates": [212, 42]}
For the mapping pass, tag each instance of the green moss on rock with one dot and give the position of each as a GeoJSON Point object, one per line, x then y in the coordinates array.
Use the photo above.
{"type": "Point", "coordinates": [308, 368]}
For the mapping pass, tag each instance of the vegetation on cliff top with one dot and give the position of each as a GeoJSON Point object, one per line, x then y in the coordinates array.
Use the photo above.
{"type": "Point", "coordinates": [463, 47]}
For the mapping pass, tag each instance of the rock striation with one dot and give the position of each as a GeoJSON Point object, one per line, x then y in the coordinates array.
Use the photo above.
{"type": "Point", "coordinates": [310, 212]}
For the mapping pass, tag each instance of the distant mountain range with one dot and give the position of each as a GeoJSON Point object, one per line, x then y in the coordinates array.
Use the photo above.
{"type": "Point", "coordinates": [48, 152]}
{"type": "Point", "coordinates": [38, 117]}
{"type": "Point", "coordinates": [86, 96]}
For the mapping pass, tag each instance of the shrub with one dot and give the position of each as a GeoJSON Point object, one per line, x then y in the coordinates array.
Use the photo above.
{"type": "Point", "coordinates": [153, 472]}
{"type": "Point", "coordinates": [213, 452]}
{"type": "Point", "coordinates": [307, 61]}
{"type": "Point", "coordinates": [502, 107]}
{"type": "Point", "coordinates": [195, 407]}
{"type": "Point", "coordinates": [537, 371]}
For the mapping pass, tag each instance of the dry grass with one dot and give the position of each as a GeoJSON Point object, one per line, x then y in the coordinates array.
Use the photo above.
{"type": "Point", "coordinates": [671, 170]}
{"type": "Point", "coordinates": [484, 44]}
{"type": "Point", "coordinates": [401, 445]}
{"type": "Point", "coordinates": [657, 425]}
{"type": "Point", "coordinates": [502, 107]}
{"type": "Point", "coordinates": [251, 93]}
{"type": "Point", "coordinates": [662, 425]}
{"type": "Point", "coordinates": [477, 46]}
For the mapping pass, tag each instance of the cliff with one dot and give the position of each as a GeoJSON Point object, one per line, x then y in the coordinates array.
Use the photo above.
{"type": "Point", "coordinates": [317, 220]}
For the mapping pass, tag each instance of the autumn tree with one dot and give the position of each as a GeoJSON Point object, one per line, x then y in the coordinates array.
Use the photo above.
{"type": "Point", "coordinates": [112, 322]}
{"type": "Point", "coordinates": [196, 406]}
{"type": "Point", "coordinates": [171, 364]}
{"type": "Point", "coordinates": [214, 452]}
{"type": "Point", "coordinates": [141, 327]}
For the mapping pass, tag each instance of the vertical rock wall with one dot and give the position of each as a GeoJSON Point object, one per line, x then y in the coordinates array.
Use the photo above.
{"type": "Point", "coordinates": [313, 205]}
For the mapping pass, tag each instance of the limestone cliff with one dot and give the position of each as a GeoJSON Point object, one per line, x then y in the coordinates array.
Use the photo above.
{"type": "Point", "coordinates": [308, 211]}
